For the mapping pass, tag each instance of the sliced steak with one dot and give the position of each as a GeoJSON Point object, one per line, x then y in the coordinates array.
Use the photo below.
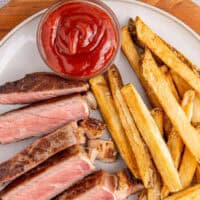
{"type": "Point", "coordinates": [41, 118]}
{"type": "Point", "coordinates": [99, 185]}
{"type": "Point", "coordinates": [39, 86]}
{"type": "Point", "coordinates": [93, 128]}
{"type": "Point", "coordinates": [38, 152]}
{"type": "Point", "coordinates": [51, 177]}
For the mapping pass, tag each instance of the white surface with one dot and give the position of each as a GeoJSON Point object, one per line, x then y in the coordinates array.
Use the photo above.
{"type": "Point", "coordinates": [3, 2]}
{"type": "Point", "coordinates": [19, 54]}
{"type": "Point", "coordinates": [197, 1]}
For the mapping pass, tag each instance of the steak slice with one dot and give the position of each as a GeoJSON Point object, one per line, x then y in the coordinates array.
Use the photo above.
{"type": "Point", "coordinates": [100, 185]}
{"type": "Point", "coordinates": [41, 118]}
{"type": "Point", "coordinates": [39, 86]}
{"type": "Point", "coordinates": [38, 152]}
{"type": "Point", "coordinates": [51, 177]}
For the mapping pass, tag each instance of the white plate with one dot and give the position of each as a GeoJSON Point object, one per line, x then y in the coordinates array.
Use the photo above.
{"type": "Point", "coordinates": [19, 54]}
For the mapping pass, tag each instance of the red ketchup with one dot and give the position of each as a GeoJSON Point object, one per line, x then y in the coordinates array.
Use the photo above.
{"type": "Point", "coordinates": [78, 39]}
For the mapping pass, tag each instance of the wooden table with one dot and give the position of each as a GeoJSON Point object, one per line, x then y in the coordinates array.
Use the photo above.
{"type": "Point", "coordinates": [18, 10]}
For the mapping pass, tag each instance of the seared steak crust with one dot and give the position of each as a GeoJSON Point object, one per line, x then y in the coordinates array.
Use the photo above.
{"type": "Point", "coordinates": [100, 183]}
{"type": "Point", "coordinates": [41, 81]}
{"type": "Point", "coordinates": [55, 160]}
{"type": "Point", "coordinates": [39, 86]}
{"type": "Point", "coordinates": [37, 152]}
{"type": "Point", "coordinates": [89, 182]}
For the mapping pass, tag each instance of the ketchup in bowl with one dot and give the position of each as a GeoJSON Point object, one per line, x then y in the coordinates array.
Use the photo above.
{"type": "Point", "coordinates": [78, 39]}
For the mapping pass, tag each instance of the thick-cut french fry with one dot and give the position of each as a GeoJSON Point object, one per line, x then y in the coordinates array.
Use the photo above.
{"type": "Point", "coordinates": [196, 112]}
{"type": "Point", "coordinates": [164, 69]}
{"type": "Point", "coordinates": [146, 36]}
{"type": "Point", "coordinates": [157, 114]}
{"type": "Point", "coordinates": [187, 103]}
{"type": "Point", "coordinates": [184, 59]}
{"type": "Point", "coordinates": [197, 173]}
{"type": "Point", "coordinates": [187, 168]}
{"type": "Point", "coordinates": [130, 51]}
{"type": "Point", "coordinates": [142, 195]}
{"type": "Point", "coordinates": [170, 105]}
{"type": "Point", "coordinates": [103, 96]}
{"type": "Point", "coordinates": [154, 192]}
{"type": "Point", "coordinates": [192, 193]}
{"type": "Point", "coordinates": [175, 144]}
{"type": "Point", "coordinates": [182, 86]}
{"type": "Point", "coordinates": [188, 164]}
{"type": "Point", "coordinates": [143, 158]}
{"type": "Point", "coordinates": [152, 136]}
{"type": "Point", "coordinates": [133, 57]}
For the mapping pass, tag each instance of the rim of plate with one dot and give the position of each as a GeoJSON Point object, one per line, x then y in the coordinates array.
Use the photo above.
{"type": "Point", "coordinates": [162, 12]}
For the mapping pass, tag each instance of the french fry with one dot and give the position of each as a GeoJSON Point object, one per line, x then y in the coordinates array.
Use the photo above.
{"type": "Point", "coordinates": [152, 137]}
{"type": "Point", "coordinates": [187, 103]}
{"type": "Point", "coordinates": [175, 143]}
{"type": "Point", "coordinates": [196, 112]}
{"type": "Point", "coordinates": [164, 69]}
{"type": "Point", "coordinates": [130, 51]}
{"type": "Point", "coordinates": [191, 193]}
{"type": "Point", "coordinates": [157, 114]}
{"type": "Point", "coordinates": [184, 59]}
{"type": "Point", "coordinates": [170, 105]}
{"type": "Point", "coordinates": [182, 86]}
{"type": "Point", "coordinates": [142, 195]}
{"type": "Point", "coordinates": [146, 36]}
{"type": "Point", "coordinates": [176, 146]}
{"type": "Point", "coordinates": [154, 192]}
{"type": "Point", "coordinates": [197, 173]}
{"type": "Point", "coordinates": [103, 96]}
{"type": "Point", "coordinates": [188, 163]}
{"type": "Point", "coordinates": [186, 171]}
{"type": "Point", "coordinates": [133, 57]}
{"type": "Point", "coordinates": [143, 158]}
{"type": "Point", "coordinates": [187, 168]}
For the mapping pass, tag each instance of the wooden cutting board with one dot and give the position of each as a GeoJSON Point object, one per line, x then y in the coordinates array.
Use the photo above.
{"type": "Point", "coordinates": [18, 10]}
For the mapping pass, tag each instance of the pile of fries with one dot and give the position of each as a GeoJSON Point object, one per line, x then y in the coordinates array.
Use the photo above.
{"type": "Point", "coordinates": [161, 146]}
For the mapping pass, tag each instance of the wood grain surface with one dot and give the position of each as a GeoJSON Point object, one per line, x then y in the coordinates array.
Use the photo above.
{"type": "Point", "coordinates": [186, 10]}
{"type": "Point", "coordinates": [18, 10]}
